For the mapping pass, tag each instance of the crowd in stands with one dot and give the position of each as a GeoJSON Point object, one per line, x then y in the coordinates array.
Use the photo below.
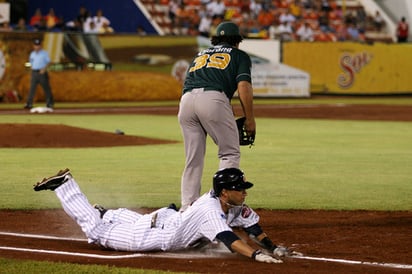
{"type": "Point", "coordinates": [288, 20]}
{"type": "Point", "coordinates": [83, 22]}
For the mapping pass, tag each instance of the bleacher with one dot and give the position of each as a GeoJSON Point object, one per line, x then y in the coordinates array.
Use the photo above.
{"type": "Point", "coordinates": [159, 11]}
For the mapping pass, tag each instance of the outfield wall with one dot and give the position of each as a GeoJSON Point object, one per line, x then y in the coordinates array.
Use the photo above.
{"type": "Point", "coordinates": [333, 68]}
{"type": "Point", "coordinates": [353, 68]}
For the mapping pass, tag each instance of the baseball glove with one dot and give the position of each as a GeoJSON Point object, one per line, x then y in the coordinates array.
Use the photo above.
{"type": "Point", "coordinates": [244, 138]}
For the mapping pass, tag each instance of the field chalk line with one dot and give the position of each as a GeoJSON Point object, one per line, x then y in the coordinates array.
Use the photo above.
{"type": "Point", "coordinates": [176, 255]}
{"type": "Point", "coordinates": [390, 265]}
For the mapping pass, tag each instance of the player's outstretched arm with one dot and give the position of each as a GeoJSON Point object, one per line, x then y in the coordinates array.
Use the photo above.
{"type": "Point", "coordinates": [235, 244]}
{"type": "Point", "coordinates": [242, 248]}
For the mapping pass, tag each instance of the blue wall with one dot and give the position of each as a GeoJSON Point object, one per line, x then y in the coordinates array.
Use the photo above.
{"type": "Point", "coordinates": [124, 15]}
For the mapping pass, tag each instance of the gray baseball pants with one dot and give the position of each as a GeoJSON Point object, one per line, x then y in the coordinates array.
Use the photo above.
{"type": "Point", "coordinates": [203, 113]}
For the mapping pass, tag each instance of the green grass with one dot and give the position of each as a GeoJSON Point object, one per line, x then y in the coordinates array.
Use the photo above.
{"type": "Point", "coordinates": [295, 164]}
{"type": "Point", "coordinates": [17, 266]}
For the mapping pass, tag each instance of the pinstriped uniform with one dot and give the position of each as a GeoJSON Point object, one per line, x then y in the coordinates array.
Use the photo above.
{"type": "Point", "coordinates": [126, 230]}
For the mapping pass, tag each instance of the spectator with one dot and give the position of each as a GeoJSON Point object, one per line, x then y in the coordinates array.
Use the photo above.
{"type": "Point", "coordinates": [90, 27]}
{"type": "Point", "coordinates": [244, 28]}
{"type": "Point", "coordinates": [42, 26]}
{"type": "Point", "coordinates": [216, 20]}
{"type": "Point", "coordinates": [39, 60]}
{"type": "Point", "coordinates": [296, 9]}
{"type": "Point", "coordinates": [273, 31]}
{"type": "Point", "coordinates": [5, 27]}
{"type": "Point", "coordinates": [182, 20]}
{"type": "Point", "coordinates": [173, 6]}
{"type": "Point", "coordinates": [204, 25]}
{"type": "Point", "coordinates": [194, 21]}
{"type": "Point", "coordinates": [255, 30]}
{"type": "Point", "coordinates": [323, 22]}
{"type": "Point", "coordinates": [378, 21]}
{"type": "Point", "coordinates": [244, 7]}
{"type": "Point", "coordinates": [325, 37]}
{"type": "Point", "coordinates": [402, 31]}
{"type": "Point", "coordinates": [216, 8]}
{"type": "Point", "coordinates": [74, 25]}
{"type": "Point", "coordinates": [305, 33]}
{"type": "Point", "coordinates": [101, 22]}
{"type": "Point", "coordinates": [83, 16]}
{"type": "Point", "coordinates": [361, 18]}
{"type": "Point", "coordinates": [255, 7]}
{"type": "Point", "coordinates": [325, 6]}
{"type": "Point", "coordinates": [36, 18]}
{"type": "Point", "coordinates": [21, 25]}
{"type": "Point", "coordinates": [353, 32]}
{"type": "Point", "coordinates": [350, 17]}
{"type": "Point", "coordinates": [105, 29]}
{"type": "Point", "coordinates": [308, 4]}
{"type": "Point", "coordinates": [265, 19]}
{"type": "Point", "coordinates": [140, 30]}
{"type": "Point", "coordinates": [51, 19]}
{"type": "Point", "coordinates": [342, 33]}
{"type": "Point", "coordinates": [287, 17]}
{"type": "Point", "coordinates": [202, 10]}
{"type": "Point", "coordinates": [285, 32]}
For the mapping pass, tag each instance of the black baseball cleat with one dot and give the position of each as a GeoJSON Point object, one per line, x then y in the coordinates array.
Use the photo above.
{"type": "Point", "coordinates": [53, 182]}
{"type": "Point", "coordinates": [101, 210]}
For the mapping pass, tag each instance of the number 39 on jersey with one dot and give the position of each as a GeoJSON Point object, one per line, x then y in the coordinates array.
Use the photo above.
{"type": "Point", "coordinates": [215, 60]}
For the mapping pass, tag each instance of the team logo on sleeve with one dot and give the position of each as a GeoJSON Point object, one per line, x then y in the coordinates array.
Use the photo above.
{"type": "Point", "coordinates": [246, 211]}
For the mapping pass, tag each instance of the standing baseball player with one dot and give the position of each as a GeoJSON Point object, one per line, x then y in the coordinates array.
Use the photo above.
{"type": "Point", "coordinates": [205, 108]}
{"type": "Point", "coordinates": [39, 60]}
{"type": "Point", "coordinates": [209, 218]}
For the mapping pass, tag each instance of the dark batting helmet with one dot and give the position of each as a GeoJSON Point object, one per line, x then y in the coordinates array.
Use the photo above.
{"type": "Point", "coordinates": [230, 179]}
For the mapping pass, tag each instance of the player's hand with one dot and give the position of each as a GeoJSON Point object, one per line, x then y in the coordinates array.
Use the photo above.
{"type": "Point", "coordinates": [263, 258]}
{"type": "Point", "coordinates": [250, 126]}
{"type": "Point", "coordinates": [281, 251]}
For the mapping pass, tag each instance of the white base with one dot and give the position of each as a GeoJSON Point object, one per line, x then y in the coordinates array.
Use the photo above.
{"type": "Point", "coordinates": [41, 110]}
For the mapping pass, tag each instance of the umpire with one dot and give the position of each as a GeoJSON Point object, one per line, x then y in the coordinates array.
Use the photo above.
{"type": "Point", "coordinates": [39, 60]}
{"type": "Point", "coordinates": [214, 75]}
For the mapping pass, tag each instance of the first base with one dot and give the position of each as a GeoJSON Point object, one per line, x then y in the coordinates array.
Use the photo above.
{"type": "Point", "coordinates": [41, 110]}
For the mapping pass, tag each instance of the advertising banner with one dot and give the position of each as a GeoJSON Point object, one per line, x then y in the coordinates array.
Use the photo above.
{"type": "Point", "coordinates": [353, 68]}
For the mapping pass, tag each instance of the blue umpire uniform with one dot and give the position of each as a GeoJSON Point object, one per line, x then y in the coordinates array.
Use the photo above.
{"type": "Point", "coordinates": [39, 60]}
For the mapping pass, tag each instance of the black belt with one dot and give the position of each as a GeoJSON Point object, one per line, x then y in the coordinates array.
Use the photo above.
{"type": "Point", "coordinates": [214, 89]}
{"type": "Point", "coordinates": [35, 70]}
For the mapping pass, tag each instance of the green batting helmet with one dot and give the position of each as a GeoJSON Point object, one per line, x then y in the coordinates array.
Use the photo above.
{"type": "Point", "coordinates": [227, 29]}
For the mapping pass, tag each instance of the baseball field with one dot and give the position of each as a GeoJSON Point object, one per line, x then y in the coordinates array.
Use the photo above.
{"type": "Point", "coordinates": [332, 180]}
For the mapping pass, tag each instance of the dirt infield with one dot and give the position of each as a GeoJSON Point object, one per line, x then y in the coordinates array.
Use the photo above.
{"type": "Point", "coordinates": [352, 236]}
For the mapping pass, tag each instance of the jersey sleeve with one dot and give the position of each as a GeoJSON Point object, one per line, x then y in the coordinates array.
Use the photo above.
{"type": "Point", "coordinates": [214, 222]}
{"type": "Point", "coordinates": [244, 69]}
{"type": "Point", "coordinates": [243, 217]}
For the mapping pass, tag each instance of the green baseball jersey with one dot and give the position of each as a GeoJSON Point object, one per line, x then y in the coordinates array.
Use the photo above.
{"type": "Point", "coordinates": [220, 68]}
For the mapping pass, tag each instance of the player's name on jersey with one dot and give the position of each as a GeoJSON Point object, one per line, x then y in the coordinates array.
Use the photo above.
{"type": "Point", "coordinates": [219, 48]}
